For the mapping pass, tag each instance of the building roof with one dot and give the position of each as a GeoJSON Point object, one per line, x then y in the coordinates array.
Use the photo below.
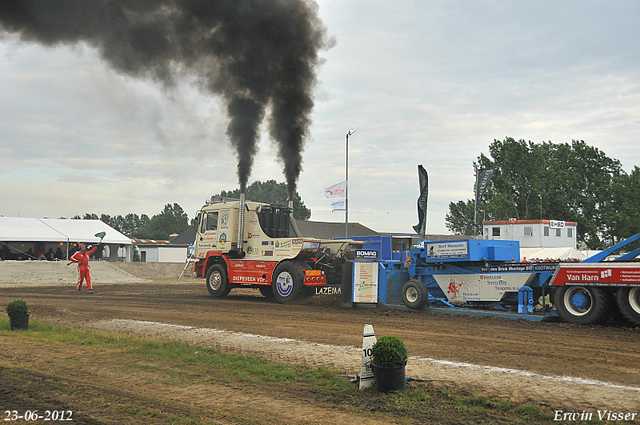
{"type": "Point", "coordinates": [21, 229]}
{"type": "Point", "coordinates": [329, 230]}
{"type": "Point", "coordinates": [186, 238]}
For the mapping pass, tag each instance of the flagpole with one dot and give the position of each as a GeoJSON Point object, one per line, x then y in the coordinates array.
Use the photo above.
{"type": "Point", "coordinates": [475, 206]}
{"type": "Point", "coordinates": [346, 178]}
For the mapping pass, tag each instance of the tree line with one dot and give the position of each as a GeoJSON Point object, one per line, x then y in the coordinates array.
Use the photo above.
{"type": "Point", "coordinates": [567, 181]}
{"type": "Point", "coordinates": [172, 219]}
{"type": "Point", "coordinates": [272, 192]}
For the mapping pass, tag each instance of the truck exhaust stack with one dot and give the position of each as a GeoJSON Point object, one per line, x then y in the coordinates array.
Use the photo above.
{"type": "Point", "coordinates": [241, 222]}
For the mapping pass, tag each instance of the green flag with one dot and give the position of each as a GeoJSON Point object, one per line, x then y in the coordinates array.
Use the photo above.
{"type": "Point", "coordinates": [100, 235]}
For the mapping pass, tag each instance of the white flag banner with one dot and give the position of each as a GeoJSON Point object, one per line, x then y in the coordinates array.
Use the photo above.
{"type": "Point", "coordinates": [340, 205]}
{"type": "Point", "coordinates": [338, 190]}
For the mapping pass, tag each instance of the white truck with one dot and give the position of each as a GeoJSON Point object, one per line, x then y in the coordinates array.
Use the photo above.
{"type": "Point", "coordinates": [257, 245]}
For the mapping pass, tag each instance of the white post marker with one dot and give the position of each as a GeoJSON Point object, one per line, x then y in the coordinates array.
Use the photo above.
{"type": "Point", "coordinates": [366, 373]}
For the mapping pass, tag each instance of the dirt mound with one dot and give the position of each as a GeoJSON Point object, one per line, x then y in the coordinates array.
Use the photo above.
{"type": "Point", "coordinates": [51, 273]}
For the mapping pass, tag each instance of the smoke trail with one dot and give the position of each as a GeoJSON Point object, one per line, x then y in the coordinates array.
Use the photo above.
{"type": "Point", "coordinates": [259, 55]}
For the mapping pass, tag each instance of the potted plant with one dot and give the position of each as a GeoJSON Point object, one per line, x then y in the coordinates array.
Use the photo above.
{"type": "Point", "coordinates": [18, 315]}
{"type": "Point", "coordinates": [389, 360]}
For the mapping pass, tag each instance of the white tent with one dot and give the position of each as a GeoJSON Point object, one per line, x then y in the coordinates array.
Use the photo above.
{"type": "Point", "coordinates": [20, 234]}
{"type": "Point", "coordinates": [14, 229]}
{"type": "Point", "coordinates": [85, 231]}
{"type": "Point", "coordinates": [566, 253]}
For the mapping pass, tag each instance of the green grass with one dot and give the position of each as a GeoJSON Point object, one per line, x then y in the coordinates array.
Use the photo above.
{"type": "Point", "coordinates": [176, 363]}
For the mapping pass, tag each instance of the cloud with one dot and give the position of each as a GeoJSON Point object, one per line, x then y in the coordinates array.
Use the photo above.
{"type": "Point", "coordinates": [431, 83]}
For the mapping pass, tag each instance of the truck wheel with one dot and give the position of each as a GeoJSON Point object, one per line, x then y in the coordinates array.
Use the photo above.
{"type": "Point", "coordinates": [629, 303]}
{"type": "Point", "coordinates": [583, 305]}
{"type": "Point", "coordinates": [266, 291]}
{"type": "Point", "coordinates": [288, 281]}
{"type": "Point", "coordinates": [414, 294]}
{"type": "Point", "coordinates": [217, 282]}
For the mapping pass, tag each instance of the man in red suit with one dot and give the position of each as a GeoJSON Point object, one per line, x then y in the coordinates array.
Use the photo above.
{"type": "Point", "coordinates": [82, 258]}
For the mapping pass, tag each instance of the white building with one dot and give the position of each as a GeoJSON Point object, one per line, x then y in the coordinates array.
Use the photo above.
{"type": "Point", "coordinates": [533, 233]}
{"type": "Point", "coordinates": [160, 251]}
{"type": "Point", "coordinates": [539, 239]}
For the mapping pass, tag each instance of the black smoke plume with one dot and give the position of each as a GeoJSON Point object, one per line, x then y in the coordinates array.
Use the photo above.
{"type": "Point", "coordinates": [259, 55]}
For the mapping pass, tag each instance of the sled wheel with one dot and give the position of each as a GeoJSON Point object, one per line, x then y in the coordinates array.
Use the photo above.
{"type": "Point", "coordinates": [288, 281]}
{"type": "Point", "coordinates": [217, 282]}
{"type": "Point", "coordinates": [629, 303]}
{"type": "Point", "coordinates": [414, 294]}
{"type": "Point", "coordinates": [266, 291]}
{"type": "Point", "coordinates": [583, 305]}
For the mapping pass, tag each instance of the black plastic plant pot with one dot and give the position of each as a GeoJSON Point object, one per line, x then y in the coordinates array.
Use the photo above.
{"type": "Point", "coordinates": [390, 379]}
{"type": "Point", "coordinates": [19, 322]}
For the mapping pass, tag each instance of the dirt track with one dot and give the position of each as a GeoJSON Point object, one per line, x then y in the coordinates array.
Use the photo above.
{"type": "Point", "coordinates": [608, 354]}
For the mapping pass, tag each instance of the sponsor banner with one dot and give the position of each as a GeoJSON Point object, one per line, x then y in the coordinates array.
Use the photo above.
{"type": "Point", "coordinates": [283, 244]}
{"type": "Point", "coordinates": [447, 249]}
{"type": "Point", "coordinates": [247, 279]}
{"type": "Point", "coordinates": [366, 255]}
{"type": "Point", "coordinates": [509, 268]}
{"type": "Point", "coordinates": [493, 286]}
{"type": "Point", "coordinates": [597, 274]}
{"type": "Point", "coordinates": [423, 181]}
{"type": "Point", "coordinates": [481, 287]}
{"type": "Point", "coordinates": [365, 282]}
{"type": "Point", "coordinates": [250, 272]}
{"type": "Point", "coordinates": [328, 290]}
{"type": "Point", "coordinates": [340, 205]}
{"type": "Point", "coordinates": [539, 267]}
{"type": "Point", "coordinates": [338, 190]}
{"type": "Point", "coordinates": [482, 182]}
{"type": "Point", "coordinates": [459, 287]}
{"type": "Point", "coordinates": [551, 267]}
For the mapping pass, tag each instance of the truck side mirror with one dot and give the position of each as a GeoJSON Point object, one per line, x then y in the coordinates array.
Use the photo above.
{"type": "Point", "coordinates": [196, 221]}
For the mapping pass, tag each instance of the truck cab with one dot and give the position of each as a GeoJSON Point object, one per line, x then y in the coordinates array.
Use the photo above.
{"type": "Point", "coordinates": [251, 244]}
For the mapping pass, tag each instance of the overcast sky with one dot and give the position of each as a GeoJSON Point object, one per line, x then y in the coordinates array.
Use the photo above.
{"type": "Point", "coordinates": [431, 83]}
